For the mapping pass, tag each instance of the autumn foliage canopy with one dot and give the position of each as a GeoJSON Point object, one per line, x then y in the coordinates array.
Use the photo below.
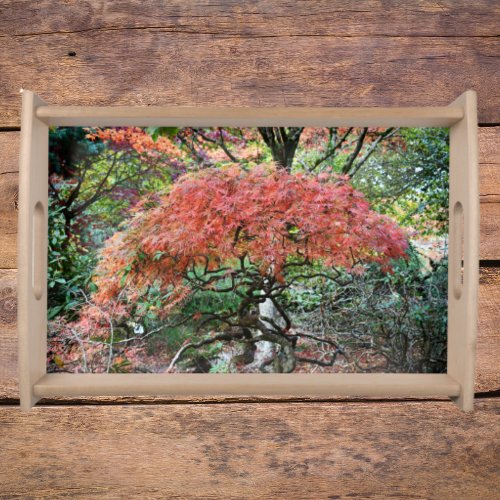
{"type": "Point", "coordinates": [217, 222]}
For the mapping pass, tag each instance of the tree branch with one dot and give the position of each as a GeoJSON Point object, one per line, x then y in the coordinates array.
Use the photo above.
{"type": "Point", "coordinates": [196, 345]}
{"type": "Point", "coordinates": [359, 144]}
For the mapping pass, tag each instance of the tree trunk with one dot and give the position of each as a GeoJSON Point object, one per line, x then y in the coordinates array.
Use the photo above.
{"type": "Point", "coordinates": [283, 143]}
{"type": "Point", "coordinates": [266, 350]}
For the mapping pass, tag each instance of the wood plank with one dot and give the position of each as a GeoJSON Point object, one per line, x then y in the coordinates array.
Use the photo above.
{"type": "Point", "coordinates": [259, 19]}
{"type": "Point", "coordinates": [236, 54]}
{"type": "Point", "coordinates": [8, 334]}
{"type": "Point", "coordinates": [489, 186]}
{"type": "Point", "coordinates": [9, 178]}
{"type": "Point", "coordinates": [489, 242]}
{"type": "Point", "coordinates": [488, 341]}
{"type": "Point", "coordinates": [489, 142]}
{"type": "Point", "coordinates": [488, 336]}
{"type": "Point", "coordinates": [489, 171]}
{"type": "Point", "coordinates": [278, 450]}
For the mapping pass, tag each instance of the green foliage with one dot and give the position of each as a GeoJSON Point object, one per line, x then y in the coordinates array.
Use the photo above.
{"type": "Point", "coordinates": [212, 302]}
{"type": "Point", "coordinates": [221, 366]}
{"type": "Point", "coordinates": [410, 181]}
{"type": "Point", "coordinates": [70, 268]}
{"type": "Point", "coordinates": [199, 308]}
{"type": "Point", "coordinates": [400, 317]}
{"type": "Point", "coordinates": [156, 132]}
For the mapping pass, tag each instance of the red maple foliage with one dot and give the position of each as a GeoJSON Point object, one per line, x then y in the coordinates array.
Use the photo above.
{"type": "Point", "coordinates": [215, 219]}
{"type": "Point", "coordinates": [136, 139]}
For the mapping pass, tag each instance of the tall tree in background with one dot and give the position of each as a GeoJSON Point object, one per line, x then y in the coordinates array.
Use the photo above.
{"type": "Point", "coordinates": [283, 144]}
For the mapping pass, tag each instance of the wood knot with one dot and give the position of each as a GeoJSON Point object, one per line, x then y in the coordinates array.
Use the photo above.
{"type": "Point", "coordinates": [8, 309]}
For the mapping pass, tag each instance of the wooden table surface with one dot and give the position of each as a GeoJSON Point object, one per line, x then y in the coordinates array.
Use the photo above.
{"type": "Point", "coordinates": [262, 53]}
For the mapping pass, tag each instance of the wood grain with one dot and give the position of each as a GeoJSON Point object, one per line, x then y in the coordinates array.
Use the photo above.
{"type": "Point", "coordinates": [489, 171]}
{"type": "Point", "coordinates": [256, 19]}
{"type": "Point", "coordinates": [268, 53]}
{"type": "Point", "coordinates": [489, 145]}
{"type": "Point", "coordinates": [489, 243]}
{"type": "Point", "coordinates": [488, 341]}
{"type": "Point", "coordinates": [277, 450]}
{"type": "Point", "coordinates": [9, 178]}
{"type": "Point", "coordinates": [8, 334]}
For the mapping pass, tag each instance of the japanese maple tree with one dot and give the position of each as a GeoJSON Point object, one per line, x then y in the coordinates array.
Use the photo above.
{"type": "Point", "coordinates": [251, 233]}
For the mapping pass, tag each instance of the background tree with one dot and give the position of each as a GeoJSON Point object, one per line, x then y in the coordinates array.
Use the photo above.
{"type": "Point", "coordinates": [283, 144]}
{"type": "Point", "coordinates": [88, 165]}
